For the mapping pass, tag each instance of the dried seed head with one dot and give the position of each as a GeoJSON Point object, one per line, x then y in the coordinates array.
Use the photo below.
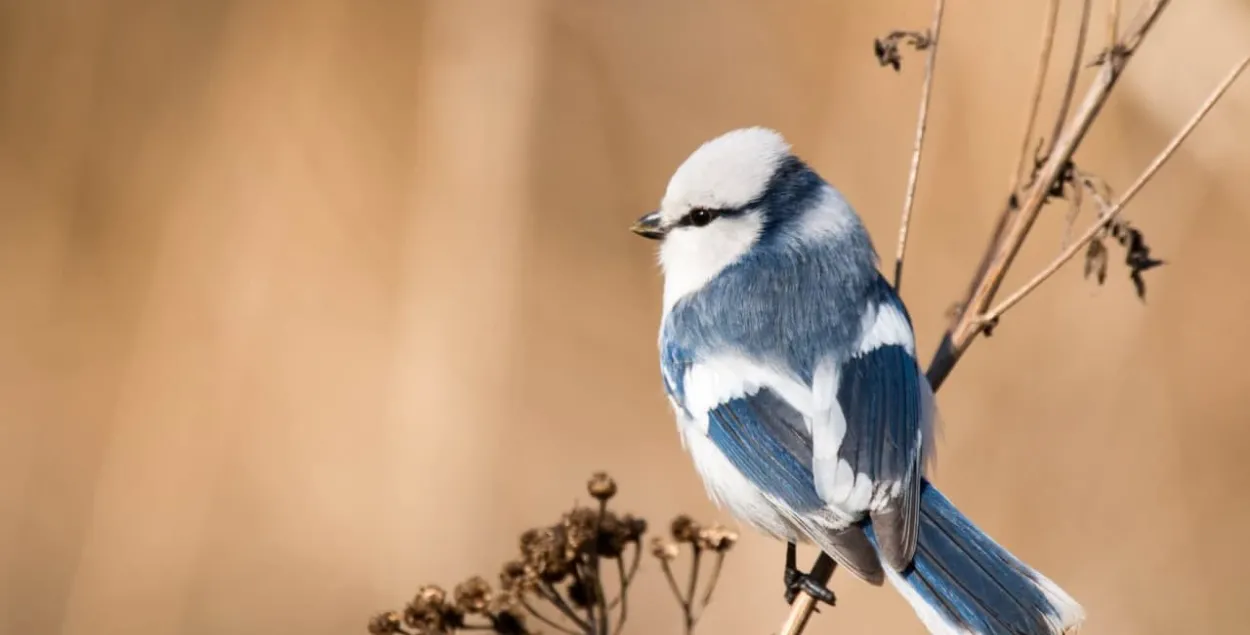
{"type": "Point", "coordinates": [515, 576]}
{"type": "Point", "coordinates": [473, 595]}
{"type": "Point", "coordinates": [717, 538]}
{"type": "Point", "coordinates": [545, 551]}
{"type": "Point", "coordinates": [664, 549]}
{"type": "Point", "coordinates": [431, 596]}
{"type": "Point", "coordinates": [579, 530]}
{"type": "Point", "coordinates": [613, 534]}
{"type": "Point", "coordinates": [634, 528]}
{"type": "Point", "coordinates": [601, 486]}
{"type": "Point", "coordinates": [685, 529]}
{"type": "Point", "coordinates": [1096, 261]}
{"type": "Point", "coordinates": [385, 623]}
{"type": "Point", "coordinates": [427, 611]}
{"type": "Point", "coordinates": [503, 601]}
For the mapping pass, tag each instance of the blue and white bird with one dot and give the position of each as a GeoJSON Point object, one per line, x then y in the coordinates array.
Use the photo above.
{"type": "Point", "coordinates": [790, 364]}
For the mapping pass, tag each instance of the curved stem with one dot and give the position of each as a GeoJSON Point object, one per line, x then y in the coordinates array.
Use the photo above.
{"type": "Point", "coordinates": [922, 124]}
{"type": "Point", "coordinates": [553, 596]}
{"type": "Point", "coordinates": [1106, 216]}
{"type": "Point", "coordinates": [544, 619]}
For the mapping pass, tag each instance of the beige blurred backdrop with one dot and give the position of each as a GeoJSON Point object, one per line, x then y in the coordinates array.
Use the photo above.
{"type": "Point", "coordinates": [303, 305]}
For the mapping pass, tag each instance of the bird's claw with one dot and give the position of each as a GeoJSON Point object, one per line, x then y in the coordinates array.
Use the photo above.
{"type": "Point", "coordinates": [799, 582]}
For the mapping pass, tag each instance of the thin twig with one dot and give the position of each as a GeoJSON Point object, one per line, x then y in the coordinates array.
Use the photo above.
{"type": "Point", "coordinates": [599, 599]}
{"type": "Point", "coordinates": [969, 324]}
{"type": "Point", "coordinates": [1090, 187]}
{"type": "Point", "coordinates": [675, 588]}
{"type": "Point", "coordinates": [1109, 214]}
{"type": "Point", "coordinates": [544, 619]}
{"type": "Point", "coordinates": [712, 580]}
{"type": "Point", "coordinates": [1113, 22]}
{"type": "Point", "coordinates": [1069, 88]}
{"type": "Point", "coordinates": [691, 586]}
{"type": "Point", "coordinates": [1039, 84]}
{"type": "Point", "coordinates": [1012, 206]}
{"type": "Point", "coordinates": [922, 124]}
{"type": "Point", "coordinates": [629, 577]}
{"type": "Point", "coordinates": [1013, 226]}
{"type": "Point", "coordinates": [553, 596]}
{"type": "Point", "coordinates": [620, 617]}
{"type": "Point", "coordinates": [580, 581]}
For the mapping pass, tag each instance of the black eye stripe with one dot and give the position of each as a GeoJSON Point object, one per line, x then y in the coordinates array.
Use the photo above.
{"type": "Point", "coordinates": [701, 216]}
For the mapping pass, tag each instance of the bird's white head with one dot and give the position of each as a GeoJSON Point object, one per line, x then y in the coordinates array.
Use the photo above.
{"type": "Point", "coordinates": [726, 197]}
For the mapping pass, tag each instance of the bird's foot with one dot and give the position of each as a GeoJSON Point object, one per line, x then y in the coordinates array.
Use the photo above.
{"type": "Point", "coordinates": [799, 582]}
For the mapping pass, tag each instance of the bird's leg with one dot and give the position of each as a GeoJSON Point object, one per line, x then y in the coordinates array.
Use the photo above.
{"type": "Point", "coordinates": [797, 581]}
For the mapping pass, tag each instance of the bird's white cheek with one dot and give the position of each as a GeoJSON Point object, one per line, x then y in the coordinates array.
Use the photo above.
{"type": "Point", "coordinates": [691, 256]}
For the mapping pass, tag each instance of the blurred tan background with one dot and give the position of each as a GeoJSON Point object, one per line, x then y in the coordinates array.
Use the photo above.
{"type": "Point", "coordinates": [306, 304]}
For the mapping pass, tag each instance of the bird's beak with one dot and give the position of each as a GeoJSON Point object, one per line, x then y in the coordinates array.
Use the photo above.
{"type": "Point", "coordinates": [649, 226]}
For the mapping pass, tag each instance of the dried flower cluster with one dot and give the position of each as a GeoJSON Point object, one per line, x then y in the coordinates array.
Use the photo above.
{"type": "Point", "coordinates": [558, 577]}
{"type": "Point", "coordinates": [473, 605]}
{"type": "Point", "coordinates": [715, 539]}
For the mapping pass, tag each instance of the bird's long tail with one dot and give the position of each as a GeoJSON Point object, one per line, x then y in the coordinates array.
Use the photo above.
{"type": "Point", "coordinates": [962, 582]}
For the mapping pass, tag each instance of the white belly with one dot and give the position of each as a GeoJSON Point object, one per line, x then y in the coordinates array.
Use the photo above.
{"type": "Point", "coordinates": [729, 489]}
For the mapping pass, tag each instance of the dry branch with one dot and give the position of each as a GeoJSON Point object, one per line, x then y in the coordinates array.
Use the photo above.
{"type": "Point", "coordinates": [1052, 169]}
{"type": "Point", "coordinates": [922, 124]}
{"type": "Point", "coordinates": [1039, 84]}
{"type": "Point", "coordinates": [1107, 215]}
{"type": "Point", "coordinates": [968, 324]}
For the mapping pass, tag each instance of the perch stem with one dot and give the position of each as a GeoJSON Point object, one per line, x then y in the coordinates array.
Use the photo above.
{"type": "Point", "coordinates": [1014, 224]}
{"type": "Point", "coordinates": [804, 605]}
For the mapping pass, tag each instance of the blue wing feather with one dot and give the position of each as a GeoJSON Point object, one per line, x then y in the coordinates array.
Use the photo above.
{"type": "Point", "coordinates": [765, 439]}
{"type": "Point", "coordinates": [886, 403]}
{"type": "Point", "coordinates": [880, 396]}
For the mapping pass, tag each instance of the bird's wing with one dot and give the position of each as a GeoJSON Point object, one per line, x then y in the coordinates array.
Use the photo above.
{"type": "Point", "coordinates": [873, 422]}
{"type": "Point", "coordinates": [756, 416]}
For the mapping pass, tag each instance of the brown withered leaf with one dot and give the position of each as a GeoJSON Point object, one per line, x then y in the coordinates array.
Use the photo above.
{"type": "Point", "coordinates": [1096, 261]}
{"type": "Point", "coordinates": [886, 49]}
{"type": "Point", "coordinates": [1136, 254]}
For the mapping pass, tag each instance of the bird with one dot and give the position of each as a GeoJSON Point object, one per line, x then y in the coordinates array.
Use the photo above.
{"type": "Point", "coordinates": [789, 362]}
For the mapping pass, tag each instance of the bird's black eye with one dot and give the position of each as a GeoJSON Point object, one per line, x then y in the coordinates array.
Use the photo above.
{"type": "Point", "coordinates": [700, 216]}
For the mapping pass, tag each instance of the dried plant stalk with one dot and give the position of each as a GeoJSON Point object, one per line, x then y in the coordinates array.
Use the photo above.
{"type": "Point", "coordinates": [558, 582]}
{"type": "Point", "coordinates": [1039, 84]}
{"type": "Point", "coordinates": [968, 324]}
{"type": "Point", "coordinates": [1109, 214]}
{"type": "Point", "coordinates": [922, 124]}
{"type": "Point", "coordinates": [1052, 171]}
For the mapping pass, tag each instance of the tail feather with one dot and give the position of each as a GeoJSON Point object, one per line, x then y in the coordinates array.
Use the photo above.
{"type": "Point", "coordinates": [962, 582]}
